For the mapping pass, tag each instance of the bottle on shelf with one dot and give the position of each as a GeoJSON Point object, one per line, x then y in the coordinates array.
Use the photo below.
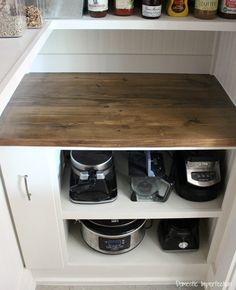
{"type": "Point", "coordinates": [227, 9]}
{"type": "Point", "coordinates": [12, 18]}
{"type": "Point", "coordinates": [205, 9]}
{"type": "Point", "coordinates": [124, 7]}
{"type": "Point", "coordinates": [177, 8]}
{"type": "Point", "coordinates": [151, 9]}
{"type": "Point", "coordinates": [97, 8]}
{"type": "Point", "coordinates": [34, 13]}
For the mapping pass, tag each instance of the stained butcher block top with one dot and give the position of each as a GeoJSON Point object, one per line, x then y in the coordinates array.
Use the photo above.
{"type": "Point", "coordinates": [119, 110]}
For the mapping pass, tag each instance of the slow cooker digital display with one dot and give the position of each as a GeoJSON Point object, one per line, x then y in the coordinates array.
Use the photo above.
{"type": "Point", "coordinates": [113, 245]}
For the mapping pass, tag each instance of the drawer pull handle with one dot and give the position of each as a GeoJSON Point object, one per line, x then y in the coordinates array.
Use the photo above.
{"type": "Point", "coordinates": [26, 187]}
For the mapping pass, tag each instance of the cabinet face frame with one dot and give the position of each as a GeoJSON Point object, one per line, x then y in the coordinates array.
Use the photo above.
{"type": "Point", "coordinates": [223, 247]}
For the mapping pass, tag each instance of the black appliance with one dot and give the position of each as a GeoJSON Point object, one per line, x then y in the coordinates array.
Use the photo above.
{"type": "Point", "coordinates": [198, 174]}
{"type": "Point", "coordinates": [179, 234]}
{"type": "Point", "coordinates": [93, 178]}
{"type": "Point", "coordinates": [149, 180]}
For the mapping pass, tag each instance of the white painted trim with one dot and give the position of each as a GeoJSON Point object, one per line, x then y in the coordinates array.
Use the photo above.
{"type": "Point", "coordinates": [52, 148]}
{"type": "Point", "coordinates": [233, 277]}
{"type": "Point", "coordinates": [228, 203]}
{"type": "Point", "coordinates": [27, 281]}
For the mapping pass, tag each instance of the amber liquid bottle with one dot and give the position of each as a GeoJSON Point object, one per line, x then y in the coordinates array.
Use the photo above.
{"type": "Point", "coordinates": [151, 9]}
{"type": "Point", "coordinates": [205, 9]}
{"type": "Point", "coordinates": [97, 8]}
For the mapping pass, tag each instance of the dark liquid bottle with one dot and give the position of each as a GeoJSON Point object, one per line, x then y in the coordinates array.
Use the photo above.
{"type": "Point", "coordinates": [97, 8]}
{"type": "Point", "coordinates": [151, 9]}
{"type": "Point", "coordinates": [227, 9]}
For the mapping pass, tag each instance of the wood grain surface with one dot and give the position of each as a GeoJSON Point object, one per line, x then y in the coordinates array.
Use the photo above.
{"type": "Point", "coordinates": [119, 110]}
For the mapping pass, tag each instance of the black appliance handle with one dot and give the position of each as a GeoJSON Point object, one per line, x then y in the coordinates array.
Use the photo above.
{"type": "Point", "coordinates": [163, 198]}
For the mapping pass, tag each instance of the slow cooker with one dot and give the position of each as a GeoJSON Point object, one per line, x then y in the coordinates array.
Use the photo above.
{"type": "Point", "coordinates": [113, 236]}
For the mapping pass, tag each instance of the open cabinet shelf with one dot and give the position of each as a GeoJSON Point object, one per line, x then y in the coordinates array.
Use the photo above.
{"type": "Point", "coordinates": [147, 261]}
{"type": "Point", "coordinates": [124, 208]}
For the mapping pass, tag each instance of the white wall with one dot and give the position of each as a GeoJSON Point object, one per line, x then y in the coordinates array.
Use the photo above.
{"type": "Point", "coordinates": [127, 51]}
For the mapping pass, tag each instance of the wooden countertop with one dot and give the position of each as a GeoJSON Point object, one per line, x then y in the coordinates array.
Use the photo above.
{"type": "Point", "coordinates": [119, 110]}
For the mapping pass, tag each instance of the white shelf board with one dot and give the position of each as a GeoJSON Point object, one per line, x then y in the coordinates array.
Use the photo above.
{"type": "Point", "coordinates": [136, 22]}
{"type": "Point", "coordinates": [16, 56]}
{"type": "Point", "coordinates": [124, 208]}
{"type": "Point", "coordinates": [146, 262]}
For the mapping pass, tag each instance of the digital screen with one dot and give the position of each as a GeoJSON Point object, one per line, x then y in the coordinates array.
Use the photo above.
{"type": "Point", "coordinates": [114, 244]}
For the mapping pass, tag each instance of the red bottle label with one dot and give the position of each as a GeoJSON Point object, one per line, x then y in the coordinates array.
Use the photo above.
{"type": "Point", "coordinates": [230, 3]}
{"type": "Point", "coordinates": [228, 6]}
{"type": "Point", "coordinates": [178, 6]}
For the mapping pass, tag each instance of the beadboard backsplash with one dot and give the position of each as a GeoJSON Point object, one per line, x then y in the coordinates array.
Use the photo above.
{"type": "Point", "coordinates": [225, 64]}
{"type": "Point", "coordinates": [127, 51]}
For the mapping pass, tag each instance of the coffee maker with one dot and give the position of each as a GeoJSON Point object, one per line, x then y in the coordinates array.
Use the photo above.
{"type": "Point", "coordinates": [93, 178]}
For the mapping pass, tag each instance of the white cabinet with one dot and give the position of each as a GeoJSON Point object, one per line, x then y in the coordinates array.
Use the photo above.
{"type": "Point", "coordinates": [53, 249]}
{"type": "Point", "coordinates": [51, 211]}
{"type": "Point", "coordinates": [36, 218]}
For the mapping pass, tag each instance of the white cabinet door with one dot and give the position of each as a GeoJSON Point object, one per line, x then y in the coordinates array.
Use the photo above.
{"type": "Point", "coordinates": [35, 218]}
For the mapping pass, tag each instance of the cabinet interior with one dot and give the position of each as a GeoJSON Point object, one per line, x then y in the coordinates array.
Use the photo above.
{"type": "Point", "coordinates": [148, 251]}
{"type": "Point", "coordinates": [148, 257]}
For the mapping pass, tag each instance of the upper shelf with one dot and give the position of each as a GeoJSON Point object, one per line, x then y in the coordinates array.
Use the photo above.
{"type": "Point", "coordinates": [124, 208]}
{"type": "Point", "coordinates": [136, 22]}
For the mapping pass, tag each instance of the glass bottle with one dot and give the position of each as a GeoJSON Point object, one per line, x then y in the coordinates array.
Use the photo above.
{"type": "Point", "coordinates": [97, 8]}
{"type": "Point", "coordinates": [34, 13]}
{"type": "Point", "coordinates": [12, 18]}
{"type": "Point", "coordinates": [151, 9]}
{"type": "Point", "coordinates": [205, 9]}
{"type": "Point", "coordinates": [177, 8]}
{"type": "Point", "coordinates": [227, 9]}
{"type": "Point", "coordinates": [124, 7]}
